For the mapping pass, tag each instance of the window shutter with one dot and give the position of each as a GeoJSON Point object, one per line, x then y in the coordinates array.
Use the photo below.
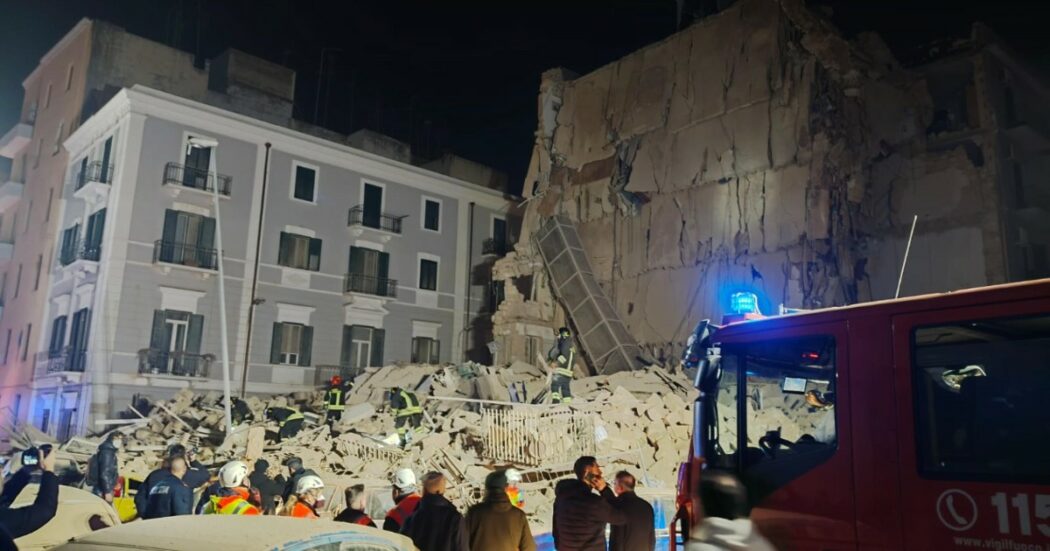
{"type": "Point", "coordinates": [99, 224]}
{"type": "Point", "coordinates": [435, 351]}
{"type": "Point", "coordinates": [206, 238]}
{"type": "Point", "coordinates": [378, 336]}
{"type": "Point", "coordinates": [171, 224]}
{"type": "Point", "coordinates": [315, 254]}
{"type": "Point", "coordinates": [158, 339]}
{"type": "Point", "coordinates": [283, 250]}
{"type": "Point", "coordinates": [415, 350]}
{"type": "Point", "coordinates": [384, 266]}
{"type": "Point", "coordinates": [357, 261]}
{"type": "Point", "coordinates": [344, 356]}
{"type": "Point", "coordinates": [306, 345]}
{"type": "Point", "coordinates": [195, 333]}
{"type": "Point", "coordinates": [275, 344]}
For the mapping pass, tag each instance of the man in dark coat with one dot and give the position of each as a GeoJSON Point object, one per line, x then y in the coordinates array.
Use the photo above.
{"type": "Point", "coordinates": [356, 501]}
{"type": "Point", "coordinates": [495, 524]}
{"type": "Point", "coordinates": [21, 521]}
{"type": "Point", "coordinates": [639, 534]}
{"type": "Point", "coordinates": [268, 487]}
{"type": "Point", "coordinates": [156, 475]}
{"type": "Point", "coordinates": [580, 516]}
{"type": "Point", "coordinates": [295, 472]}
{"type": "Point", "coordinates": [104, 464]}
{"type": "Point", "coordinates": [436, 525]}
{"type": "Point", "coordinates": [169, 496]}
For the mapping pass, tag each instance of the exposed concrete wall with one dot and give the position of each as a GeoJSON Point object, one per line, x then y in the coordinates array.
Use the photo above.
{"type": "Point", "coordinates": [756, 149]}
{"type": "Point", "coordinates": [465, 169]}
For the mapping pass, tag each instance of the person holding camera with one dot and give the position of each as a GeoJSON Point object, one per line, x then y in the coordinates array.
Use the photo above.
{"type": "Point", "coordinates": [580, 515]}
{"type": "Point", "coordinates": [20, 521]}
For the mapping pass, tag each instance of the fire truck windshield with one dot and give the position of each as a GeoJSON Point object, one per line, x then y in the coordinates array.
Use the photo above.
{"type": "Point", "coordinates": [774, 410]}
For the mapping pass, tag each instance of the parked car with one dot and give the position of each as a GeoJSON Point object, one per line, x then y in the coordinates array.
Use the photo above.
{"type": "Point", "coordinates": [79, 512]}
{"type": "Point", "coordinates": [240, 533]}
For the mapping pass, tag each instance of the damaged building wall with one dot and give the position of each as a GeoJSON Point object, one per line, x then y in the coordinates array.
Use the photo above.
{"type": "Point", "coordinates": [760, 150]}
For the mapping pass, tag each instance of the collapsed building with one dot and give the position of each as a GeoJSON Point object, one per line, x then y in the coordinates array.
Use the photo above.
{"type": "Point", "coordinates": [760, 150]}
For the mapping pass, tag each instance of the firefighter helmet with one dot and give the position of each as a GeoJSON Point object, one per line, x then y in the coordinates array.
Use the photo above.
{"type": "Point", "coordinates": [232, 474]}
{"type": "Point", "coordinates": [307, 483]}
{"type": "Point", "coordinates": [336, 380]}
{"type": "Point", "coordinates": [405, 480]}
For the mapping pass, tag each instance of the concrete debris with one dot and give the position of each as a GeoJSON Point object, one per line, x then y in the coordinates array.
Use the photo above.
{"type": "Point", "coordinates": [636, 420]}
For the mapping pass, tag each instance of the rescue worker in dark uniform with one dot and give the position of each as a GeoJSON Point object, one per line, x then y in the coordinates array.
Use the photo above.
{"type": "Point", "coordinates": [289, 419]}
{"type": "Point", "coordinates": [335, 400]}
{"type": "Point", "coordinates": [562, 358]}
{"type": "Point", "coordinates": [240, 412]}
{"type": "Point", "coordinates": [407, 413]}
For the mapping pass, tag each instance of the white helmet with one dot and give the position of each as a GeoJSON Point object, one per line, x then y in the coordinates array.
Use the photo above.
{"type": "Point", "coordinates": [233, 474]}
{"type": "Point", "coordinates": [405, 480]}
{"type": "Point", "coordinates": [307, 483]}
{"type": "Point", "coordinates": [513, 476]}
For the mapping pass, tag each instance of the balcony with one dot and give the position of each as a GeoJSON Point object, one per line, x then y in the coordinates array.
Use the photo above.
{"type": "Point", "coordinates": [93, 181]}
{"type": "Point", "coordinates": [323, 373]}
{"type": "Point", "coordinates": [11, 193]}
{"type": "Point", "coordinates": [377, 221]}
{"type": "Point", "coordinates": [178, 364]}
{"type": "Point", "coordinates": [494, 247]}
{"type": "Point", "coordinates": [185, 254]}
{"type": "Point", "coordinates": [65, 361]}
{"type": "Point", "coordinates": [16, 139]}
{"type": "Point", "coordinates": [370, 285]}
{"type": "Point", "coordinates": [179, 177]}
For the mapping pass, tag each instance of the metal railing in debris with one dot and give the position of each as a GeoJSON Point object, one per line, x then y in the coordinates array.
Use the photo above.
{"type": "Point", "coordinates": [535, 436]}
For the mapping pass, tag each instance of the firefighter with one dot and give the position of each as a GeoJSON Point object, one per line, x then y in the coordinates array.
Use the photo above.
{"type": "Point", "coordinates": [289, 419]}
{"type": "Point", "coordinates": [234, 498]}
{"type": "Point", "coordinates": [562, 357]}
{"type": "Point", "coordinates": [239, 410]}
{"type": "Point", "coordinates": [335, 400]}
{"type": "Point", "coordinates": [514, 492]}
{"type": "Point", "coordinates": [308, 498]}
{"type": "Point", "coordinates": [408, 414]}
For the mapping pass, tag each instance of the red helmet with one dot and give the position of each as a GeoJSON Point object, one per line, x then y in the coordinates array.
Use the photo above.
{"type": "Point", "coordinates": [337, 380]}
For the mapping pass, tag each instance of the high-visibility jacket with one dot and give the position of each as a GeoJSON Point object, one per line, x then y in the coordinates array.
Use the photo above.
{"type": "Point", "coordinates": [405, 507]}
{"type": "Point", "coordinates": [333, 399]}
{"type": "Point", "coordinates": [564, 354]}
{"type": "Point", "coordinates": [302, 510]}
{"type": "Point", "coordinates": [288, 414]}
{"type": "Point", "coordinates": [517, 498]}
{"type": "Point", "coordinates": [409, 405]}
{"type": "Point", "coordinates": [233, 504]}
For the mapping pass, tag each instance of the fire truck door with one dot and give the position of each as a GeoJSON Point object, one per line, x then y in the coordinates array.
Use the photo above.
{"type": "Point", "coordinates": [973, 387]}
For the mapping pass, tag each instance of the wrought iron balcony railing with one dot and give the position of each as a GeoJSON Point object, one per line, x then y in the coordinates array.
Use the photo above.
{"type": "Point", "coordinates": [94, 172]}
{"type": "Point", "coordinates": [176, 174]}
{"type": "Point", "coordinates": [372, 285]}
{"type": "Point", "coordinates": [66, 360]}
{"type": "Point", "coordinates": [185, 254]}
{"type": "Point", "coordinates": [374, 219]}
{"type": "Point", "coordinates": [323, 373]}
{"type": "Point", "coordinates": [496, 247]}
{"type": "Point", "coordinates": [72, 252]}
{"type": "Point", "coordinates": [182, 364]}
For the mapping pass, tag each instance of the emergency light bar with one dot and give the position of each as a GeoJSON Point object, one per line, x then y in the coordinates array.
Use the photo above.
{"type": "Point", "coordinates": [744, 303]}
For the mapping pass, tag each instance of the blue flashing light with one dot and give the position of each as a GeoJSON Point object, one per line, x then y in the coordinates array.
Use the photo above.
{"type": "Point", "coordinates": [743, 303]}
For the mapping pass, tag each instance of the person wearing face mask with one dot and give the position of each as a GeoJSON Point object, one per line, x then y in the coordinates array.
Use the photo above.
{"type": "Point", "coordinates": [103, 467]}
{"type": "Point", "coordinates": [307, 499]}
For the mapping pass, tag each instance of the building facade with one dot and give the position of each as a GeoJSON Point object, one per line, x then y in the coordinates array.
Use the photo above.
{"type": "Point", "coordinates": [334, 259]}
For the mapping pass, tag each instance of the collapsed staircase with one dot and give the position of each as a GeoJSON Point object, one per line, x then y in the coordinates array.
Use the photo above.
{"type": "Point", "coordinates": [605, 340]}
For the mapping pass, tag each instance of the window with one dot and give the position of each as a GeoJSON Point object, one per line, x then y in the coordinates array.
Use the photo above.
{"type": "Point", "coordinates": [497, 294]}
{"type": "Point", "coordinates": [29, 215]}
{"type": "Point", "coordinates": [69, 77]}
{"type": "Point", "coordinates": [428, 274]}
{"type": "Point", "coordinates": [788, 401]}
{"type": "Point", "coordinates": [25, 347]}
{"type": "Point", "coordinates": [107, 152]}
{"type": "Point", "coordinates": [980, 390]}
{"type": "Point", "coordinates": [369, 272]}
{"type": "Point", "coordinates": [39, 266]}
{"type": "Point", "coordinates": [426, 350]}
{"type": "Point", "coordinates": [39, 150]}
{"type": "Point", "coordinates": [7, 346]}
{"type": "Point", "coordinates": [92, 249]}
{"type": "Point", "coordinates": [18, 281]}
{"type": "Point", "coordinates": [362, 346]}
{"type": "Point", "coordinates": [431, 215]}
{"type": "Point", "coordinates": [70, 243]}
{"type": "Point", "coordinates": [292, 343]}
{"type": "Point", "coordinates": [304, 187]}
{"type": "Point", "coordinates": [372, 203]}
{"type": "Point", "coordinates": [50, 200]}
{"type": "Point", "coordinates": [58, 337]}
{"type": "Point", "coordinates": [188, 239]}
{"type": "Point", "coordinates": [299, 251]}
{"type": "Point", "coordinates": [58, 137]}
{"type": "Point", "coordinates": [47, 96]}
{"type": "Point", "coordinates": [175, 344]}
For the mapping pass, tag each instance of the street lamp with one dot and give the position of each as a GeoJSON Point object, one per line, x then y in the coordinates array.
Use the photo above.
{"type": "Point", "coordinates": [213, 173]}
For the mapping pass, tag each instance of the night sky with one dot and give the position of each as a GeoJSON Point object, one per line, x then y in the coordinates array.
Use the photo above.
{"type": "Point", "coordinates": [450, 75]}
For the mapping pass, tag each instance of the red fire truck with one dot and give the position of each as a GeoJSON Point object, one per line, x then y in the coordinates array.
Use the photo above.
{"type": "Point", "coordinates": [919, 423]}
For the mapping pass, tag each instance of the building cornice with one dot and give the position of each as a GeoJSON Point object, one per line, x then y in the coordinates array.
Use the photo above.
{"type": "Point", "coordinates": [77, 29]}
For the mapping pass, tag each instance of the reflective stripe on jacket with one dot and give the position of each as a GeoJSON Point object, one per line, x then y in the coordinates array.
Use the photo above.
{"type": "Point", "coordinates": [236, 504]}
{"type": "Point", "coordinates": [302, 510]}
{"type": "Point", "coordinates": [333, 399]}
{"type": "Point", "coordinates": [412, 406]}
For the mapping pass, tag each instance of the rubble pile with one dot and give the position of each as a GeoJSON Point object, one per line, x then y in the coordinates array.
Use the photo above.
{"type": "Point", "coordinates": [635, 420]}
